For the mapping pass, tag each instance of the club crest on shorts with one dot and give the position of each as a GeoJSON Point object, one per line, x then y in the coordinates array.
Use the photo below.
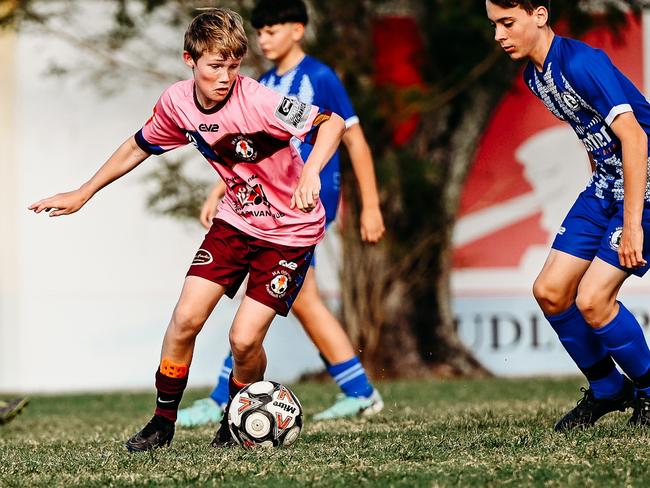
{"type": "Point", "coordinates": [244, 148]}
{"type": "Point", "coordinates": [202, 257]}
{"type": "Point", "coordinates": [615, 238]}
{"type": "Point", "coordinates": [279, 284]}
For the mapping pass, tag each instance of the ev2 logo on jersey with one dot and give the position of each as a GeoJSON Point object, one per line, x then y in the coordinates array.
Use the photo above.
{"type": "Point", "coordinates": [209, 127]}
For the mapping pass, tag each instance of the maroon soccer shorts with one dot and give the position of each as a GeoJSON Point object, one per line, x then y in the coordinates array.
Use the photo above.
{"type": "Point", "coordinates": [276, 272]}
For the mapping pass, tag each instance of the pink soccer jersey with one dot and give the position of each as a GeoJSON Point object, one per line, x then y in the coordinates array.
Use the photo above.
{"type": "Point", "coordinates": [246, 138]}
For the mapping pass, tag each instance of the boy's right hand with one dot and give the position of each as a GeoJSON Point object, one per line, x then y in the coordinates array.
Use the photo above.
{"type": "Point", "coordinates": [372, 224]}
{"type": "Point", "coordinates": [306, 195]}
{"type": "Point", "coordinates": [61, 203]}
{"type": "Point", "coordinates": [209, 209]}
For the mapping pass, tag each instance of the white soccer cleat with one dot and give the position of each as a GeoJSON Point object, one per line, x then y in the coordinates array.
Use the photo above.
{"type": "Point", "coordinates": [347, 406]}
{"type": "Point", "coordinates": [202, 412]}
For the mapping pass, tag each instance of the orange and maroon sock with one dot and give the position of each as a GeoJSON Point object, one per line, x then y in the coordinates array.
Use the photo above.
{"type": "Point", "coordinates": [171, 380]}
{"type": "Point", "coordinates": [234, 386]}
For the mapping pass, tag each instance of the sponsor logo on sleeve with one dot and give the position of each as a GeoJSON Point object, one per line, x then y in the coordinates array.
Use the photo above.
{"type": "Point", "coordinates": [293, 112]}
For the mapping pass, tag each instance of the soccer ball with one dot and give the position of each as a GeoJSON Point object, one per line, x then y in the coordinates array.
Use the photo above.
{"type": "Point", "coordinates": [265, 414]}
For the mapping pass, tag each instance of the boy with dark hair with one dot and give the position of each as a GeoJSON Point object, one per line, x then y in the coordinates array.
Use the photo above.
{"type": "Point", "coordinates": [528, 5]}
{"type": "Point", "coordinates": [602, 241]}
{"type": "Point", "coordinates": [243, 129]}
{"type": "Point", "coordinates": [280, 26]}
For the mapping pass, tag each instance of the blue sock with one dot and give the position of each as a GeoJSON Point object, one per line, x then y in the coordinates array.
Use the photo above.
{"type": "Point", "coordinates": [587, 351]}
{"type": "Point", "coordinates": [610, 386]}
{"type": "Point", "coordinates": [220, 392]}
{"type": "Point", "coordinates": [626, 343]}
{"type": "Point", "coordinates": [351, 378]}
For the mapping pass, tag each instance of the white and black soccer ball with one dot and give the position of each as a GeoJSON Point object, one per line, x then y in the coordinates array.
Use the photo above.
{"type": "Point", "coordinates": [265, 414]}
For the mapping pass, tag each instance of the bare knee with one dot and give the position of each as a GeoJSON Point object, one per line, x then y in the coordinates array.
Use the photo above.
{"type": "Point", "coordinates": [243, 346]}
{"type": "Point", "coordinates": [551, 298]}
{"type": "Point", "coordinates": [596, 308]}
{"type": "Point", "coordinates": [186, 323]}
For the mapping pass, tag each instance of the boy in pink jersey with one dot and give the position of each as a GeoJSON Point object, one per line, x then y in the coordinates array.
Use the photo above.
{"type": "Point", "coordinates": [269, 221]}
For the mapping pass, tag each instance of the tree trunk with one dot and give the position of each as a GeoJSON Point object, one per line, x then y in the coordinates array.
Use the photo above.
{"type": "Point", "coordinates": [398, 309]}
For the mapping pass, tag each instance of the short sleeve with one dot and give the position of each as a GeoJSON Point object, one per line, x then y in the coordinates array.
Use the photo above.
{"type": "Point", "coordinates": [161, 133]}
{"type": "Point", "coordinates": [336, 98]}
{"type": "Point", "coordinates": [595, 79]}
{"type": "Point", "coordinates": [283, 116]}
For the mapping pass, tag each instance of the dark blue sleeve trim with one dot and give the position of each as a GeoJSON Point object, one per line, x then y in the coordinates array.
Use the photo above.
{"type": "Point", "coordinates": [145, 146]}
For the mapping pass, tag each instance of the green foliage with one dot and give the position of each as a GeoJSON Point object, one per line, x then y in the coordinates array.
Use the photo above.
{"type": "Point", "coordinates": [177, 195]}
{"type": "Point", "coordinates": [459, 433]}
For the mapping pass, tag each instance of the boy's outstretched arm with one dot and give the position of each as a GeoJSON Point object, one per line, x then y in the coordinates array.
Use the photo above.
{"type": "Point", "coordinates": [306, 193]}
{"type": "Point", "coordinates": [124, 159]}
{"type": "Point", "coordinates": [371, 220]}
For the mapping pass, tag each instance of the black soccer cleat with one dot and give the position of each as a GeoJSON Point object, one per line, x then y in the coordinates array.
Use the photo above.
{"type": "Point", "coordinates": [589, 409]}
{"type": "Point", "coordinates": [223, 437]}
{"type": "Point", "coordinates": [159, 432]}
{"type": "Point", "coordinates": [11, 408]}
{"type": "Point", "coordinates": [641, 415]}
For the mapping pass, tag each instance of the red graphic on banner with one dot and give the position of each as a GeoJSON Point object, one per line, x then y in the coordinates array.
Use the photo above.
{"type": "Point", "coordinates": [398, 57]}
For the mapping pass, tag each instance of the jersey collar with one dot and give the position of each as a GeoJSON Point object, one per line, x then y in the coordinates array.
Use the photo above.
{"type": "Point", "coordinates": [218, 106]}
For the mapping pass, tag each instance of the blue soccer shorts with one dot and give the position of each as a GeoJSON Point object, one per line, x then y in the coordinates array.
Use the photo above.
{"type": "Point", "coordinates": [330, 193]}
{"type": "Point", "coordinates": [593, 228]}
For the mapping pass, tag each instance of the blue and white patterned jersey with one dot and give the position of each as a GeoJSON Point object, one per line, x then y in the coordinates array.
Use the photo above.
{"type": "Point", "coordinates": [316, 83]}
{"type": "Point", "coordinates": [580, 85]}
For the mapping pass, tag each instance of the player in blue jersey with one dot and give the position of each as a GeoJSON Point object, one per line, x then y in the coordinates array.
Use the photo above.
{"type": "Point", "coordinates": [280, 26]}
{"type": "Point", "coordinates": [605, 237]}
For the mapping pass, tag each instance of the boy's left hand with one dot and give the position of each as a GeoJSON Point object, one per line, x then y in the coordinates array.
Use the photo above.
{"type": "Point", "coordinates": [372, 224]}
{"type": "Point", "coordinates": [61, 203]}
{"type": "Point", "coordinates": [630, 250]}
{"type": "Point", "coordinates": [306, 194]}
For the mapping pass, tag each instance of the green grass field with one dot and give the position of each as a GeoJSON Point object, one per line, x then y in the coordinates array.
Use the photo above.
{"type": "Point", "coordinates": [453, 433]}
